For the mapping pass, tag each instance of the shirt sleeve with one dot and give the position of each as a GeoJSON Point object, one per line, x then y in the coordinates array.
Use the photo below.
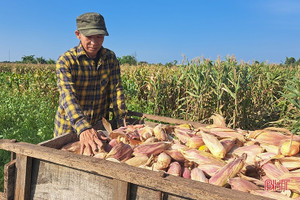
{"type": "Point", "coordinates": [68, 96]}
{"type": "Point", "coordinates": [116, 91]}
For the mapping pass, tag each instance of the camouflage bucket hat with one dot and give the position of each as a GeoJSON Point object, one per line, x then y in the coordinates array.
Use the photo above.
{"type": "Point", "coordinates": [91, 24]}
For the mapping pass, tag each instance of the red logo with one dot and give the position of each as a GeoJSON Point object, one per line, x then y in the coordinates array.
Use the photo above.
{"type": "Point", "coordinates": [276, 185]}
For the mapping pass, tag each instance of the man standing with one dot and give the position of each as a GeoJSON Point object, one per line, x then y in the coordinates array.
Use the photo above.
{"type": "Point", "coordinates": [89, 81]}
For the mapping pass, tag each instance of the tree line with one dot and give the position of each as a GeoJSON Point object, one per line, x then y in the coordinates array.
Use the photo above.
{"type": "Point", "coordinates": [130, 60]}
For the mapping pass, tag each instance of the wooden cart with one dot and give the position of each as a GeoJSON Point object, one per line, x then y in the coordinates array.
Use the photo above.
{"type": "Point", "coordinates": [44, 172]}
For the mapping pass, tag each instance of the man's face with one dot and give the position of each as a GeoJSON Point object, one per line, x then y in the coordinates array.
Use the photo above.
{"type": "Point", "coordinates": [91, 44]}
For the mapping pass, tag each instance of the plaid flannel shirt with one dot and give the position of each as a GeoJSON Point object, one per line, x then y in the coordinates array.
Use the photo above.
{"type": "Point", "coordinates": [87, 89]}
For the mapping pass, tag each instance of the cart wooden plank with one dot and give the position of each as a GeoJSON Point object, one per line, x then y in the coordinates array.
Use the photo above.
{"type": "Point", "coordinates": [9, 180]}
{"type": "Point", "coordinates": [144, 179]}
{"type": "Point", "coordinates": [23, 180]}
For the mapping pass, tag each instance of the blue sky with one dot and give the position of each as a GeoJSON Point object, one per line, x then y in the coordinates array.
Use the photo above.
{"type": "Point", "coordinates": [157, 31]}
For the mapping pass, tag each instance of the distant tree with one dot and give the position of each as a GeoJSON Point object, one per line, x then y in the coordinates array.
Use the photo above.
{"type": "Point", "coordinates": [41, 60]}
{"type": "Point", "coordinates": [289, 61]}
{"type": "Point", "coordinates": [170, 64]}
{"type": "Point", "coordinates": [143, 63]}
{"type": "Point", "coordinates": [130, 60]}
{"type": "Point", "coordinates": [28, 59]}
{"type": "Point", "coordinates": [50, 61]}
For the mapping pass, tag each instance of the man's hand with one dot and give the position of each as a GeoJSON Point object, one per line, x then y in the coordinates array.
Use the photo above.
{"type": "Point", "coordinates": [89, 139]}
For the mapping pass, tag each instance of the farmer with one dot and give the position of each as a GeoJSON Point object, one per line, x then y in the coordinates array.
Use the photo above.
{"type": "Point", "coordinates": [89, 81]}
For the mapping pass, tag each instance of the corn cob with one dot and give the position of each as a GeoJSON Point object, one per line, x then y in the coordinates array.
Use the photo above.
{"type": "Point", "coordinates": [228, 171]}
{"type": "Point", "coordinates": [209, 169]}
{"type": "Point", "coordinates": [228, 143]}
{"type": "Point", "coordinates": [145, 133]}
{"type": "Point", "coordinates": [151, 148]}
{"type": "Point", "coordinates": [214, 145]}
{"type": "Point", "coordinates": [137, 161]}
{"type": "Point", "coordinates": [290, 148]}
{"type": "Point", "coordinates": [186, 173]}
{"type": "Point", "coordinates": [120, 152]}
{"type": "Point", "coordinates": [163, 161]}
{"type": "Point", "coordinates": [174, 169]}
{"type": "Point", "coordinates": [243, 185]}
{"type": "Point", "coordinates": [160, 133]}
{"type": "Point", "coordinates": [251, 152]}
{"type": "Point", "coordinates": [201, 157]}
{"type": "Point", "coordinates": [194, 142]}
{"type": "Point", "coordinates": [290, 162]}
{"type": "Point", "coordinates": [182, 135]}
{"type": "Point", "coordinates": [198, 175]}
{"type": "Point", "coordinates": [293, 181]}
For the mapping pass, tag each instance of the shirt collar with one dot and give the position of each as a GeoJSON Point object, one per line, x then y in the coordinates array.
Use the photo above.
{"type": "Point", "coordinates": [81, 52]}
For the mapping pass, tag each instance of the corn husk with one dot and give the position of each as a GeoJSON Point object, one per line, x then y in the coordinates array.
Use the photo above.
{"type": "Point", "coordinates": [270, 194]}
{"type": "Point", "coordinates": [174, 169]}
{"type": "Point", "coordinates": [214, 145]}
{"type": "Point", "coordinates": [163, 161]}
{"type": "Point", "coordinates": [145, 133]}
{"type": "Point", "coordinates": [243, 185]}
{"type": "Point", "coordinates": [137, 160]}
{"type": "Point", "coordinates": [194, 142]}
{"type": "Point", "coordinates": [121, 152]}
{"type": "Point", "coordinates": [198, 175]}
{"type": "Point", "coordinates": [228, 143]}
{"type": "Point", "coordinates": [151, 148]}
{"type": "Point", "coordinates": [251, 152]}
{"type": "Point", "coordinates": [160, 133]}
{"type": "Point", "coordinates": [201, 157]}
{"type": "Point", "coordinates": [186, 173]}
{"type": "Point", "coordinates": [293, 181]}
{"type": "Point", "coordinates": [228, 171]}
{"type": "Point", "coordinates": [290, 148]}
{"type": "Point", "coordinates": [209, 169]}
{"type": "Point", "coordinates": [182, 135]}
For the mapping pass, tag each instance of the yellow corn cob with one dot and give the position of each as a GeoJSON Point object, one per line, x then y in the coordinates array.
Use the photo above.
{"type": "Point", "coordinates": [228, 171]}
{"type": "Point", "coordinates": [214, 145]}
{"type": "Point", "coordinates": [195, 142]}
{"type": "Point", "coordinates": [290, 148]}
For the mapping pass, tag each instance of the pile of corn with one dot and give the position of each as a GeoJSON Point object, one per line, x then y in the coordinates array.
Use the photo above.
{"type": "Point", "coordinates": [262, 162]}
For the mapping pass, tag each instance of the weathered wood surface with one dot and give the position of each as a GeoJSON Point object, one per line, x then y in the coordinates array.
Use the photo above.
{"type": "Point", "coordinates": [157, 181]}
{"type": "Point", "coordinates": [23, 179]}
{"type": "Point", "coordinates": [9, 180]}
{"type": "Point", "coordinates": [51, 181]}
{"type": "Point", "coordinates": [164, 119]}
